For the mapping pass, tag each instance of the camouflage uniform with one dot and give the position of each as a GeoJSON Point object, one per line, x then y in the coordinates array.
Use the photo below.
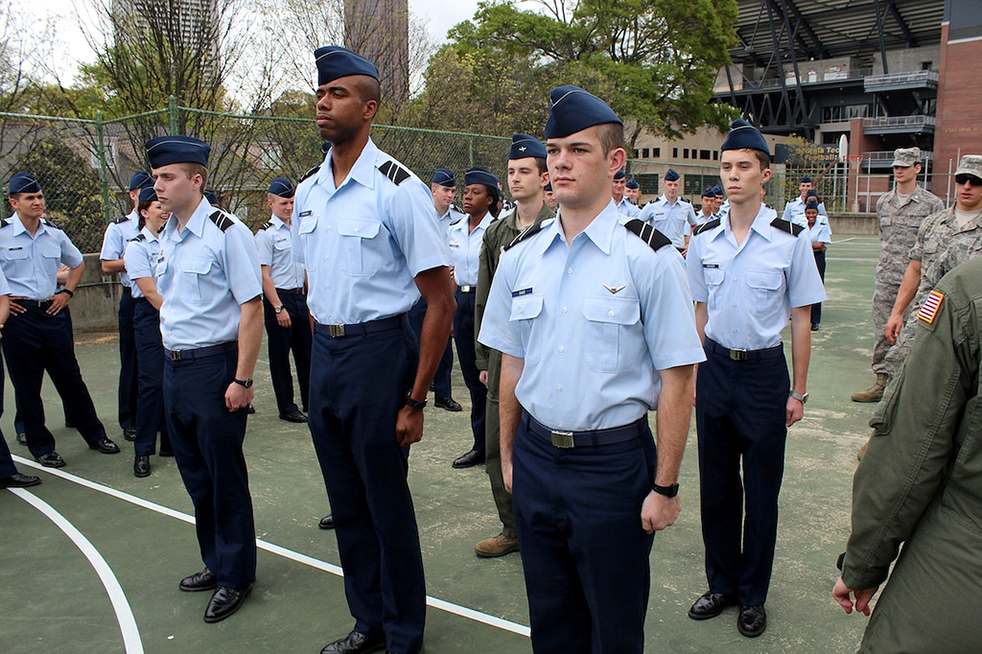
{"type": "Point", "coordinates": [899, 222]}
{"type": "Point", "coordinates": [940, 247]}
{"type": "Point", "coordinates": [499, 234]}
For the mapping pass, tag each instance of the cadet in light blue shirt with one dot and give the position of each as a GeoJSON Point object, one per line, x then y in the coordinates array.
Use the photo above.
{"type": "Point", "coordinates": [670, 214]}
{"type": "Point", "coordinates": [443, 187]}
{"type": "Point", "coordinates": [749, 272]}
{"type": "Point", "coordinates": [595, 325]}
{"type": "Point", "coordinates": [794, 211]}
{"type": "Point", "coordinates": [621, 202]}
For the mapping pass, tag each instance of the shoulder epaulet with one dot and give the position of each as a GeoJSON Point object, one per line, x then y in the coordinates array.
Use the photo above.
{"type": "Point", "coordinates": [3, 223]}
{"type": "Point", "coordinates": [121, 220]}
{"type": "Point", "coordinates": [310, 172]}
{"type": "Point", "coordinates": [705, 227]}
{"type": "Point", "coordinates": [456, 222]}
{"type": "Point", "coordinates": [138, 237]}
{"type": "Point", "coordinates": [221, 220]}
{"type": "Point", "coordinates": [528, 232]}
{"type": "Point", "coordinates": [648, 234]}
{"type": "Point", "coordinates": [48, 223]}
{"type": "Point", "coordinates": [266, 225]}
{"type": "Point", "coordinates": [686, 200]}
{"type": "Point", "coordinates": [787, 226]}
{"type": "Point", "coordinates": [394, 172]}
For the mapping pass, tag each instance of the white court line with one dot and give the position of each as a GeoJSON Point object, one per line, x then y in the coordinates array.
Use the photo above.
{"type": "Point", "coordinates": [124, 614]}
{"type": "Point", "coordinates": [304, 559]}
{"type": "Point", "coordinates": [845, 240]}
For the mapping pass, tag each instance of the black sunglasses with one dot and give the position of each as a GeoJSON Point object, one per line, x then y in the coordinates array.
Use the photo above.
{"type": "Point", "coordinates": [968, 179]}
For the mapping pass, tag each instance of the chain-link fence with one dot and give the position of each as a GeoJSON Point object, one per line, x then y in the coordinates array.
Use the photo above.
{"type": "Point", "coordinates": [84, 166]}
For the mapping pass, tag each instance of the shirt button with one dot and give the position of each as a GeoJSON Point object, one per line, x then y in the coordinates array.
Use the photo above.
{"type": "Point", "coordinates": [562, 348]}
{"type": "Point", "coordinates": [356, 228]}
{"type": "Point", "coordinates": [734, 306]}
{"type": "Point", "coordinates": [569, 271]}
{"type": "Point", "coordinates": [559, 387]}
{"type": "Point", "coordinates": [610, 313]}
{"type": "Point", "coordinates": [565, 310]}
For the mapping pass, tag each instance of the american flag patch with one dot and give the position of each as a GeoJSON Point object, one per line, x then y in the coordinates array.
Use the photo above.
{"type": "Point", "coordinates": [929, 310]}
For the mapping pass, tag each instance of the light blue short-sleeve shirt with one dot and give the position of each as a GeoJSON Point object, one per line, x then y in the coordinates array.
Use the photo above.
{"type": "Point", "coordinates": [465, 249]}
{"type": "Point", "coordinates": [820, 232]}
{"type": "Point", "coordinates": [363, 242]}
{"type": "Point", "coordinates": [627, 208]}
{"type": "Point", "coordinates": [794, 212]}
{"type": "Point", "coordinates": [115, 240]}
{"type": "Point", "coordinates": [751, 287]}
{"type": "Point", "coordinates": [204, 275]}
{"type": "Point", "coordinates": [141, 258]}
{"type": "Point", "coordinates": [670, 218]}
{"type": "Point", "coordinates": [275, 244]}
{"type": "Point", "coordinates": [594, 321]}
{"type": "Point", "coordinates": [4, 285]}
{"type": "Point", "coordinates": [31, 263]}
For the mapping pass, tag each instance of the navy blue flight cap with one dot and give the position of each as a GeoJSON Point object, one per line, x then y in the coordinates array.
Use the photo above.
{"type": "Point", "coordinates": [548, 187]}
{"type": "Point", "coordinates": [571, 110]}
{"type": "Point", "coordinates": [812, 193]}
{"type": "Point", "coordinates": [523, 145]}
{"type": "Point", "coordinates": [281, 187]}
{"type": "Point", "coordinates": [211, 197]}
{"type": "Point", "coordinates": [671, 175]}
{"type": "Point", "coordinates": [812, 203]}
{"type": "Point", "coordinates": [478, 175]}
{"type": "Point", "coordinates": [24, 183]}
{"type": "Point", "coordinates": [165, 150]}
{"type": "Point", "coordinates": [743, 135]}
{"type": "Point", "coordinates": [709, 193]}
{"type": "Point", "coordinates": [633, 183]}
{"type": "Point", "coordinates": [444, 177]}
{"type": "Point", "coordinates": [140, 179]}
{"type": "Point", "coordinates": [334, 62]}
{"type": "Point", "coordinates": [806, 180]}
{"type": "Point", "coordinates": [620, 174]}
{"type": "Point", "coordinates": [147, 194]}
{"type": "Point", "coordinates": [718, 190]}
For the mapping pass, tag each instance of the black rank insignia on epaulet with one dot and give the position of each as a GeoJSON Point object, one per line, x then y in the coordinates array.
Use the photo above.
{"type": "Point", "coordinates": [221, 220]}
{"type": "Point", "coordinates": [394, 172]}
{"type": "Point", "coordinates": [266, 225]}
{"type": "Point", "coordinates": [3, 223]}
{"type": "Point", "coordinates": [528, 232]}
{"type": "Point", "coordinates": [121, 220]}
{"type": "Point", "coordinates": [138, 237]}
{"type": "Point", "coordinates": [647, 233]}
{"type": "Point", "coordinates": [705, 227]}
{"type": "Point", "coordinates": [48, 223]}
{"type": "Point", "coordinates": [312, 171]}
{"type": "Point", "coordinates": [786, 226]}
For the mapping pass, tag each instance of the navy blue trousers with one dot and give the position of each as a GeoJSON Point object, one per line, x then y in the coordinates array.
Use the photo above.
{"type": "Point", "coordinates": [279, 342]}
{"type": "Point", "coordinates": [7, 468]}
{"type": "Point", "coordinates": [740, 418]}
{"type": "Point", "coordinates": [463, 335]}
{"type": "Point", "coordinates": [150, 396]}
{"type": "Point", "coordinates": [128, 378]}
{"type": "Point", "coordinates": [34, 342]}
{"type": "Point", "coordinates": [357, 387]}
{"type": "Point", "coordinates": [18, 421]}
{"type": "Point", "coordinates": [441, 380]}
{"type": "Point", "coordinates": [207, 440]}
{"type": "Point", "coordinates": [817, 307]}
{"type": "Point", "coordinates": [585, 555]}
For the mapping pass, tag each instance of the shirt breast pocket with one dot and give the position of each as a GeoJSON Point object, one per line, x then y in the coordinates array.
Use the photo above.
{"type": "Point", "coordinates": [714, 281]}
{"type": "Point", "coordinates": [524, 309]}
{"type": "Point", "coordinates": [609, 321]}
{"type": "Point", "coordinates": [766, 289]}
{"type": "Point", "coordinates": [193, 272]}
{"type": "Point", "coordinates": [359, 253]}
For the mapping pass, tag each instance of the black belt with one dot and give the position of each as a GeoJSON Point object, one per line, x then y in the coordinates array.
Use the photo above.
{"type": "Point", "coordinates": [744, 355]}
{"type": "Point", "coordinates": [569, 439]}
{"type": "Point", "coordinates": [295, 291]}
{"type": "Point", "coordinates": [40, 304]}
{"type": "Point", "coordinates": [201, 352]}
{"type": "Point", "coordinates": [467, 289]}
{"type": "Point", "coordinates": [362, 328]}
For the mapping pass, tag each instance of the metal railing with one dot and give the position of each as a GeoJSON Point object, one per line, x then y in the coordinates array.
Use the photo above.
{"type": "Point", "coordinates": [914, 78]}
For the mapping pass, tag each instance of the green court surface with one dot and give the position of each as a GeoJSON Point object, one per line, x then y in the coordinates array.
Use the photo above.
{"type": "Point", "coordinates": [90, 559]}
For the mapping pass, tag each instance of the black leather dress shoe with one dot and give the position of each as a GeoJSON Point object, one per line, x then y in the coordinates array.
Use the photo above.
{"type": "Point", "coordinates": [225, 602]}
{"type": "Point", "coordinates": [752, 621]}
{"type": "Point", "coordinates": [472, 458]}
{"type": "Point", "coordinates": [22, 438]}
{"type": "Point", "coordinates": [18, 480]}
{"type": "Point", "coordinates": [251, 409]}
{"type": "Point", "coordinates": [204, 580]}
{"type": "Point", "coordinates": [709, 605]}
{"type": "Point", "coordinates": [105, 446]}
{"type": "Point", "coordinates": [327, 522]}
{"type": "Point", "coordinates": [294, 416]}
{"type": "Point", "coordinates": [141, 466]}
{"type": "Point", "coordinates": [51, 460]}
{"type": "Point", "coordinates": [130, 434]}
{"type": "Point", "coordinates": [448, 403]}
{"type": "Point", "coordinates": [356, 643]}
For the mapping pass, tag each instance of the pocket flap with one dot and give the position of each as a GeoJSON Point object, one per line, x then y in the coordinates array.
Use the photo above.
{"type": "Point", "coordinates": [359, 228]}
{"type": "Point", "coordinates": [526, 307]}
{"type": "Point", "coordinates": [616, 310]}
{"type": "Point", "coordinates": [769, 279]}
{"type": "Point", "coordinates": [196, 266]}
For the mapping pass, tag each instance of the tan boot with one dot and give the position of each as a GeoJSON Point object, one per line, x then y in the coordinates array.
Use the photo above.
{"type": "Point", "coordinates": [875, 392]}
{"type": "Point", "coordinates": [500, 545]}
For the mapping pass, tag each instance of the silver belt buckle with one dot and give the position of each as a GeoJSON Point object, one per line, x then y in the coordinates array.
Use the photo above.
{"type": "Point", "coordinates": [336, 331]}
{"type": "Point", "coordinates": [175, 355]}
{"type": "Point", "coordinates": [563, 439]}
{"type": "Point", "coordinates": [738, 355]}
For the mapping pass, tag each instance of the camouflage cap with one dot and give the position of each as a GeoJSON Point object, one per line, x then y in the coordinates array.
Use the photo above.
{"type": "Point", "coordinates": [971, 164]}
{"type": "Point", "coordinates": [906, 157]}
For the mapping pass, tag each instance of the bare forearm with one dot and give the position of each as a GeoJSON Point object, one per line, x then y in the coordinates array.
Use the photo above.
{"type": "Point", "coordinates": [908, 287]}
{"type": "Point", "coordinates": [269, 289]}
{"type": "Point", "coordinates": [250, 337]}
{"type": "Point", "coordinates": [509, 410]}
{"type": "Point", "coordinates": [112, 266]}
{"type": "Point", "coordinates": [437, 290]}
{"type": "Point", "coordinates": [801, 347]}
{"type": "Point", "coordinates": [74, 277]}
{"type": "Point", "coordinates": [672, 421]}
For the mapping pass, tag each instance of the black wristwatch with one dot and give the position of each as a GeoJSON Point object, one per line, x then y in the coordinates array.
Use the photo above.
{"type": "Point", "coordinates": [278, 309]}
{"type": "Point", "coordinates": [415, 404]}
{"type": "Point", "coordinates": [244, 383]}
{"type": "Point", "coordinates": [667, 491]}
{"type": "Point", "coordinates": [65, 290]}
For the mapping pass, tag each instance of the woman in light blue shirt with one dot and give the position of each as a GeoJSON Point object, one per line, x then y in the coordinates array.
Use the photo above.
{"type": "Point", "coordinates": [821, 237]}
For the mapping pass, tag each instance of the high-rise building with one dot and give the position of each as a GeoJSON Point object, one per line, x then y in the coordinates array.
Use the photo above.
{"type": "Point", "coordinates": [155, 23]}
{"type": "Point", "coordinates": [379, 30]}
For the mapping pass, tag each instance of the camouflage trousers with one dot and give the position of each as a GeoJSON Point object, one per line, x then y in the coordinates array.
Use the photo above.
{"type": "Point", "coordinates": [492, 451]}
{"type": "Point", "coordinates": [884, 295]}
{"type": "Point", "coordinates": [898, 352]}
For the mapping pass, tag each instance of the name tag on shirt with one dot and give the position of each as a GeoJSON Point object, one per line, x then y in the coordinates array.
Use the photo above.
{"type": "Point", "coordinates": [304, 214]}
{"type": "Point", "coordinates": [710, 265]}
{"type": "Point", "coordinates": [521, 292]}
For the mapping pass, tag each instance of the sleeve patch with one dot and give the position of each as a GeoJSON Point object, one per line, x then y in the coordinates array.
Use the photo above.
{"type": "Point", "coordinates": [932, 305]}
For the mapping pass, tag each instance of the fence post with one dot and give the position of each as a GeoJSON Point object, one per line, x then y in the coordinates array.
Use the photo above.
{"type": "Point", "coordinates": [172, 112]}
{"type": "Point", "coordinates": [470, 152]}
{"type": "Point", "coordinates": [103, 176]}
